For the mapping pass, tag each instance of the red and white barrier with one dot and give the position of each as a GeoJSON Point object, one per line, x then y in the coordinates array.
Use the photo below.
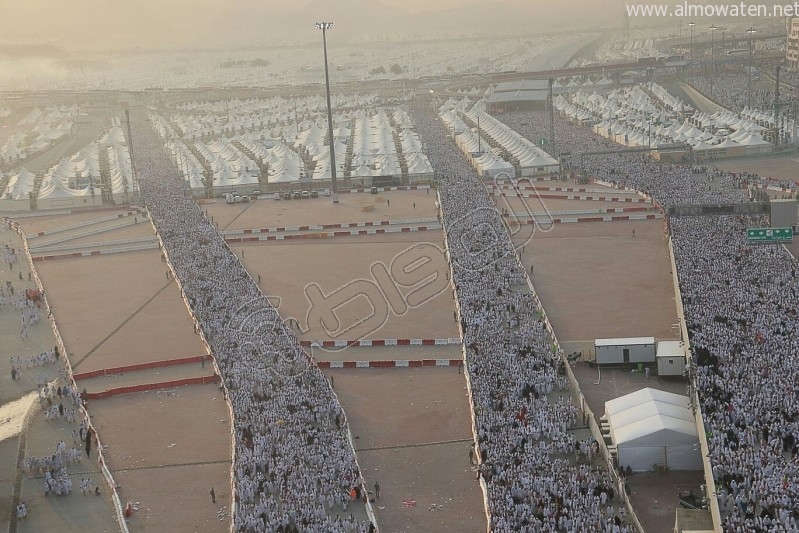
{"type": "Point", "coordinates": [379, 342]}
{"type": "Point", "coordinates": [570, 196]}
{"type": "Point", "coordinates": [386, 189]}
{"type": "Point", "coordinates": [140, 366]}
{"type": "Point", "coordinates": [402, 363]}
{"type": "Point", "coordinates": [321, 227]}
{"type": "Point", "coordinates": [331, 234]}
{"type": "Point", "coordinates": [603, 218]}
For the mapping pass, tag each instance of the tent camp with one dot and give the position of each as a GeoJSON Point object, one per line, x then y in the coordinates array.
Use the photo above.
{"type": "Point", "coordinates": [653, 428]}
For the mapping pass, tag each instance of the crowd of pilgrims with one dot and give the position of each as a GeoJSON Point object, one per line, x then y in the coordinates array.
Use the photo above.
{"type": "Point", "coordinates": [538, 475]}
{"type": "Point", "coordinates": [731, 90]}
{"type": "Point", "coordinates": [28, 311]}
{"type": "Point", "coordinates": [294, 466]}
{"type": "Point", "coordinates": [741, 302]}
{"type": "Point", "coordinates": [741, 305]}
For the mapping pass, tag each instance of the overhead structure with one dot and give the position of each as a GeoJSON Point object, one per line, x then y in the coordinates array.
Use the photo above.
{"type": "Point", "coordinates": [653, 429]}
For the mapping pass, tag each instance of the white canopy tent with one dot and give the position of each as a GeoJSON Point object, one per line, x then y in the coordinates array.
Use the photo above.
{"type": "Point", "coordinates": [653, 427]}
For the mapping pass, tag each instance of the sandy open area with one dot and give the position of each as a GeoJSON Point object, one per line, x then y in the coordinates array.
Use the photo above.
{"type": "Point", "coordinates": [372, 299]}
{"type": "Point", "coordinates": [166, 450]}
{"type": "Point", "coordinates": [310, 211]}
{"type": "Point", "coordinates": [412, 433]}
{"type": "Point", "coordinates": [113, 310]}
{"type": "Point", "coordinates": [596, 281]}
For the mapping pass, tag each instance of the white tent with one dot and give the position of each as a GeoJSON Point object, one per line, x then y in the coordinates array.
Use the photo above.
{"type": "Point", "coordinates": [653, 427]}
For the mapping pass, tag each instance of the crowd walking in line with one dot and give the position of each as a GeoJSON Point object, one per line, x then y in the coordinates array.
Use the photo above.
{"type": "Point", "coordinates": [539, 476]}
{"type": "Point", "coordinates": [294, 467]}
{"type": "Point", "coordinates": [741, 304]}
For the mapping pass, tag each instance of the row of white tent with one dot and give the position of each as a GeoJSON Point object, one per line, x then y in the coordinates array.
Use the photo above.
{"type": "Point", "coordinates": [531, 159]}
{"type": "Point", "coordinates": [80, 174]}
{"type": "Point", "coordinates": [38, 136]}
{"type": "Point", "coordinates": [285, 117]}
{"type": "Point", "coordinates": [632, 118]}
{"type": "Point", "coordinates": [489, 161]}
{"type": "Point", "coordinates": [373, 153]}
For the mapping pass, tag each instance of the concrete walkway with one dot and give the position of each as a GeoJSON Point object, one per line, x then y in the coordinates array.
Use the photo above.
{"type": "Point", "coordinates": [38, 437]}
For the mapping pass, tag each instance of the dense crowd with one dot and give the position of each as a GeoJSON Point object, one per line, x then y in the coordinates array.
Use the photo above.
{"type": "Point", "coordinates": [669, 184]}
{"type": "Point", "coordinates": [741, 302]}
{"type": "Point", "coordinates": [742, 310]}
{"type": "Point", "coordinates": [731, 90]}
{"type": "Point", "coordinates": [294, 468]}
{"type": "Point", "coordinates": [538, 475]}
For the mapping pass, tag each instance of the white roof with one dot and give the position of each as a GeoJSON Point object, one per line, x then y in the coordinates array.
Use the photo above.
{"type": "Point", "coordinates": [670, 349]}
{"type": "Point", "coordinates": [651, 417]}
{"type": "Point", "coordinates": [628, 341]}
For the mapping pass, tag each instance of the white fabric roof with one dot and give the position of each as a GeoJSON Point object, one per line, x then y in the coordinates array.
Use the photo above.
{"type": "Point", "coordinates": [651, 417]}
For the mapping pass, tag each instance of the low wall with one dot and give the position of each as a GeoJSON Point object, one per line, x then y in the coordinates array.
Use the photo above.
{"type": "Point", "coordinates": [710, 482]}
{"type": "Point", "coordinates": [466, 374]}
{"type": "Point", "coordinates": [141, 366]}
{"type": "Point", "coordinates": [152, 386]}
{"type": "Point", "coordinates": [109, 479]}
{"type": "Point", "coordinates": [575, 387]}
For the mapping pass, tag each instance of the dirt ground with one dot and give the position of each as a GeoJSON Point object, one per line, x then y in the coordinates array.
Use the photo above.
{"type": "Point", "coordinates": [596, 281]}
{"type": "Point", "coordinates": [166, 449]}
{"type": "Point", "coordinates": [412, 436]}
{"type": "Point", "coordinates": [369, 303]}
{"type": "Point", "coordinates": [103, 304]}
{"type": "Point", "coordinates": [173, 447]}
{"type": "Point", "coordinates": [391, 205]}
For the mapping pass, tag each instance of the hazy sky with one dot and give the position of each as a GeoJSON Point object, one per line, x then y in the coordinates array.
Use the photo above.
{"type": "Point", "coordinates": [153, 23]}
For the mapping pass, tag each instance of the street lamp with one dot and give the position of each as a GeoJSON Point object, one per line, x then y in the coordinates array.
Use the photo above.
{"type": "Point", "coordinates": [691, 63]}
{"type": "Point", "coordinates": [751, 31]}
{"type": "Point", "coordinates": [479, 145]}
{"type": "Point", "coordinates": [324, 26]}
{"type": "Point", "coordinates": [723, 47]}
{"type": "Point", "coordinates": [713, 29]}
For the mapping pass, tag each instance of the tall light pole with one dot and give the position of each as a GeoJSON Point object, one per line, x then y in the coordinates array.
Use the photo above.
{"type": "Point", "coordinates": [324, 26]}
{"type": "Point", "coordinates": [479, 141]}
{"type": "Point", "coordinates": [713, 29]}
{"type": "Point", "coordinates": [691, 62]}
{"type": "Point", "coordinates": [751, 31]}
{"type": "Point", "coordinates": [723, 49]}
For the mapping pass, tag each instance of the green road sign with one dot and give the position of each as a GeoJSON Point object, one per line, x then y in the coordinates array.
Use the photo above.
{"type": "Point", "coordinates": [769, 235]}
{"type": "Point", "coordinates": [542, 141]}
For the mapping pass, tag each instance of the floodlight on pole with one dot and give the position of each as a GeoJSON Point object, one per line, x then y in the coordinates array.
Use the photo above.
{"type": "Point", "coordinates": [691, 62]}
{"type": "Point", "coordinates": [324, 26]}
{"type": "Point", "coordinates": [751, 31]}
{"type": "Point", "coordinates": [713, 29]}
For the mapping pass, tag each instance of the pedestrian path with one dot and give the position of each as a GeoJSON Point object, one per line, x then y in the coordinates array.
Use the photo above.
{"type": "Point", "coordinates": [38, 437]}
